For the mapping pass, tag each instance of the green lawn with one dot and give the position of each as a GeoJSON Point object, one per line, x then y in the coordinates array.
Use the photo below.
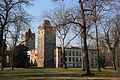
{"type": "Point", "coordinates": [55, 74]}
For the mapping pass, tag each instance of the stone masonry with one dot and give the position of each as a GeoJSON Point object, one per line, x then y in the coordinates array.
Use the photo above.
{"type": "Point", "coordinates": [46, 45]}
{"type": "Point", "coordinates": [28, 39]}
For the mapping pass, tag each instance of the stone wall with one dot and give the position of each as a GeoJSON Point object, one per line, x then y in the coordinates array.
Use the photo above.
{"type": "Point", "coordinates": [28, 39]}
{"type": "Point", "coordinates": [46, 44]}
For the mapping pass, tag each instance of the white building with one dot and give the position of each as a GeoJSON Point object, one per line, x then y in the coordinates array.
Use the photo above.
{"type": "Point", "coordinates": [74, 57]}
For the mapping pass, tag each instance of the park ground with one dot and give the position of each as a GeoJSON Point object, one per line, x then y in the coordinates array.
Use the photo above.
{"type": "Point", "coordinates": [57, 74]}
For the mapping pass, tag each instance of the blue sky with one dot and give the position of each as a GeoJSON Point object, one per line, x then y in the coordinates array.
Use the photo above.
{"type": "Point", "coordinates": [39, 7]}
{"type": "Point", "coordinates": [36, 10]}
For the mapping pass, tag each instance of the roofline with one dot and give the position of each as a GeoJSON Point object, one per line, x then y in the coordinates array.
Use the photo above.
{"type": "Point", "coordinates": [74, 48]}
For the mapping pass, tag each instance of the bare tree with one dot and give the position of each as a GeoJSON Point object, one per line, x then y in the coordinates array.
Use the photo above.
{"type": "Point", "coordinates": [112, 36]}
{"type": "Point", "coordinates": [97, 10]}
{"type": "Point", "coordinates": [85, 9]}
{"type": "Point", "coordinates": [15, 33]}
{"type": "Point", "coordinates": [84, 26]}
{"type": "Point", "coordinates": [58, 18]}
{"type": "Point", "coordinates": [10, 11]}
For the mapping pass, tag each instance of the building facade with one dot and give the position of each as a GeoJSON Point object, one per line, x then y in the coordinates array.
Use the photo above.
{"type": "Point", "coordinates": [33, 57]}
{"type": "Point", "coordinates": [46, 44]}
{"type": "Point", "coordinates": [48, 55]}
{"type": "Point", "coordinates": [74, 57]}
{"type": "Point", "coordinates": [28, 39]}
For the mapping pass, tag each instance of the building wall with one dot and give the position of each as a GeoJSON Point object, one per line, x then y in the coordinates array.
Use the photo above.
{"type": "Point", "coordinates": [74, 57]}
{"type": "Point", "coordinates": [28, 39]}
{"type": "Point", "coordinates": [40, 48]}
{"type": "Point", "coordinates": [32, 56]}
{"type": "Point", "coordinates": [46, 44]}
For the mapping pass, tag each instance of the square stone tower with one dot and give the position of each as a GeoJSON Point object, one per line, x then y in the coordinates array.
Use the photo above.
{"type": "Point", "coordinates": [28, 39]}
{"type": "Point", "coordinates": [46, 45]}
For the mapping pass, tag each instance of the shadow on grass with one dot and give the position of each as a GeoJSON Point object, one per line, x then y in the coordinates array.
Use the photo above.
{"type": "Point", "coordinates": [50, 79]}
{"type": "Point", "coordinates": [68, 79]}
{"type": "Point", "coordinates": [48, 75]}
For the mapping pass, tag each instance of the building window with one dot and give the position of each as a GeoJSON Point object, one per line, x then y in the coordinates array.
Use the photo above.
{"type": "Point", "coordinates": [65, 53]}
{"type": "Point", "coordinates": [80, 54]}
{"type": "Point", "coordinates": [69, 59]}
{"type": "Point", "coordinates": [73, 59]}
{"type": "Point", "coordinates": [69, 53]}
{"type": "Point", "coordinates": [80, 59]}
{"type": "Point", "coordinates": [73, 65]}
{"type": "Point", "coordinates": [36, 54]}
{"type": "Point", "coordinates": [77, 59]}
{"type": "Point", "coordinates": [73, 53]}
{"type": "Point", "coordinates": [91, 59]}
{"type": "Point", "coordinates": [76, 53]}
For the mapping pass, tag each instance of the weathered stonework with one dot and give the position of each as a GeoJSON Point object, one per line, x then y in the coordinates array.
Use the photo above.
{"type": "Point", "coordinates": [28, 39]}
{"type": "Point", "coordinates": [47, 55]}
{"type": "Point", "coordinates": [46, 44]}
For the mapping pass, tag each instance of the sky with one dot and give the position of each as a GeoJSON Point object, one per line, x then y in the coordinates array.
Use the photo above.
{"type": "Point", "coordinates": [39, 7]}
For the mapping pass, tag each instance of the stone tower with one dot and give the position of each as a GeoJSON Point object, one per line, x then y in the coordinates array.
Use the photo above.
{"type": "Point", "coordinates": [46, 45]}
{"type": "Point", "coordinates": [28, 39]}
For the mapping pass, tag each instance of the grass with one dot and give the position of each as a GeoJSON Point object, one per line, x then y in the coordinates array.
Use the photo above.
{"type": "Point", "coordinates": [56, 74]}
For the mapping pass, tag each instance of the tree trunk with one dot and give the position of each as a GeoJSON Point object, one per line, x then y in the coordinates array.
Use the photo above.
{"type": "Point", "coordinates": [2, 63]}
{"type": "Point", "coordinates": [114, 64]}
{"type": "Point", "coordinates": [3, 57]}
{"type": "Point", "coordinates": [87, 69]}
{"type": "Point", "coordinates": [63, 58]}
{"type": "Point", "coordinates": [1, 45]}
{"type": "Point", "coordinates": [12, 61]}
{"type": "Point", "coordinates": [82, 59]}
{"type": "Point", "coordinates": [98, 55]}
{"type": "Point", "coordinates": [113, 58]}
{"type": "Point", "coordinates": [97, 45]}
{"type": "Point", "coordinates": [83, 62]}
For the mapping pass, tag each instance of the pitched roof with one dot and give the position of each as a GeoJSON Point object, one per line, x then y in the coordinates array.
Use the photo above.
{"type": "Point", "coordinates": [29, 32]}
